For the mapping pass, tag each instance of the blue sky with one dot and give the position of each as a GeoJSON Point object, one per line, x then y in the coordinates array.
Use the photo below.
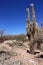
{"type": "Point", "coordinates": [13, 15]}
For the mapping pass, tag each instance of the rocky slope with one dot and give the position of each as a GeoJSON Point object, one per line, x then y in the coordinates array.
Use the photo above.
{"type": "Point", "coordinates": [14, 52]}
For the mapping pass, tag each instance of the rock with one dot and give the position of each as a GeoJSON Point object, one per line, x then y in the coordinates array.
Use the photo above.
{"type": "Point", "coordinates": [9, 61]}
{"type": "Point", "coordinates": [14, 41]}
{"type": "Point", "coordinates": [9, 42]}
{"type": "Point", "coordinates": [4, 47]}
{"type": "Point", "coordinates": [5, 55]}
{"type": "Point", "coordinates": [42, 47]}
{"type": "Point", "coordinates": [19, 43]}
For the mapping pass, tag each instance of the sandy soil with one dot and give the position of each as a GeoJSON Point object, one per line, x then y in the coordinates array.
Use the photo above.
{"type": "Point", "coordinates": [23, 56]}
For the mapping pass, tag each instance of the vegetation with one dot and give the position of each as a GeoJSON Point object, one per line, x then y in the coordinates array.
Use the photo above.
{"type": "Point", "coordinates": [13, 37]}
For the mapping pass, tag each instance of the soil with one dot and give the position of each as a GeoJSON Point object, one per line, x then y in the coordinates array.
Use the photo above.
{"type": "Point", "coordinates": [18, 55]}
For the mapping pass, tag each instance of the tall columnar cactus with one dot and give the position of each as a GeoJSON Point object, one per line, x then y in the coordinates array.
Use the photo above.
{"type": "Point", "coordinates": [32, 30]}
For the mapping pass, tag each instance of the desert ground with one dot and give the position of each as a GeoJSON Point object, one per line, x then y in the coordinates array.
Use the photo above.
{"type": "Point", "coordinates": [13, 52]}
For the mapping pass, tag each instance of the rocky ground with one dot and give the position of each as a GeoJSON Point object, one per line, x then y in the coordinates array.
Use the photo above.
{"type": "Point", "coordinates": [14, 52]}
